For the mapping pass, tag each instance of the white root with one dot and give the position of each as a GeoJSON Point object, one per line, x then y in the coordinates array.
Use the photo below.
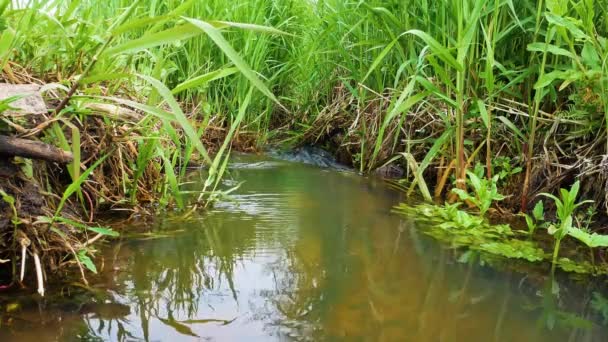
{"type": "Point", "coordinates": [23, 256]}
{"type": "Point", "coordinates": [39, 274]}
{"type": "Point", "coordinates": [25, 243]}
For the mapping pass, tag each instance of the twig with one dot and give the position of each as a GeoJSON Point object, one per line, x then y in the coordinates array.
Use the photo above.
{"type": "Point", "coordinates": [93, 239]}
{"type": "Point", "coordinates": [10, 146]}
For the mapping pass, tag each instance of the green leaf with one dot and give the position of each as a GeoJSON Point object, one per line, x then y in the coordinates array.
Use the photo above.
{"type": "Point", "coordinates": [574, 190]}
{"type": "Point", "coordinates": [180, 117]}
{"type": "Point", "coordinates": [485, 117]}
{"type": "Point", "coordinates": [104, 77]}
{"type": "Point", "coordinates": [581, 235]}
{"type": "Point", "coordinates": [568, 23]}
{"type": "Point", "coordinates": [557, 7]}
{"type": "Point", "coordinates": [379, 58]}
{"type": "Point", "coordinates": [430, 155]}
{"type": "Point", "coordinates": [530, 223]}
{"type": "Point", "coordinates": [552, 229]}
{"type": "Point", "coordinates": [538, 211]}
{"type": "Point", "coordinates": [175, 13]}
{"type": "Point", "coordinates": [103, 231]}
{"type": "Point", "coordinates": [571, 76]}
{"type": "Point", "coordinates": [27, 168]}
{"type": "Point", "coordinates": [75, 186]}
{"type": "Point", "coordinates": [464, 196]}
{"type": "Point", "coordinates": [555, 199]}
{"type": "Point", "coordinates": [546, 79]}
{"type": "Point", "coordinates": [439, 50]}
{"type": "Point", "coordinates": [590, 56]}
{"type": "Point", "coordinates": [512, 126]}
{"type": "Point", "coordinates": [383, 12]}
{"type": "Point", "coordinates": [514, 13]}
{"type": "Point", "coordinates": [171, 177]}
{"type": "Point", "coordinates": [556, 50]}
{"type": "Point", "coordinates": [6, 42]}
{"type": "Point", "coordinates": [424, 190]}
{"type": "Point", "coordinates": [86, 261]}
{"type": "Point", "coordinates": [403, 102]}
{"type": "Point", "coordinates": [498, 197]}
{"type": "Point", "coordinates": [474, 180]}
{"type": "Point", "coordinates": [249, 27]}
{"type": "Point", "coordinates": [223, 44]}
{"type": "Point", "coordinates": [138, 23]}
{"type": "Point", "coordinates": [171, 35]}
{"type": "Point", "coordinates": [7, 198]}
{"type": "Point", "coordinates": [202, 80]}
{"type": "Point", "coordinates": [215, 171]}
{"type": "Point", "coordinates": [565, 227]}
{"type": "Point", "coordinates": [100, 230]}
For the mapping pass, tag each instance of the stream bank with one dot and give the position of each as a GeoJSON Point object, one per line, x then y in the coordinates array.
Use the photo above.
{"type": "Point", "coordinates": [62, 173]}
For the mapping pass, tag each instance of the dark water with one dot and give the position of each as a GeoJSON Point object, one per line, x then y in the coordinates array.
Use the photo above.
{"type": "Point", "coordinates": [297, 253]}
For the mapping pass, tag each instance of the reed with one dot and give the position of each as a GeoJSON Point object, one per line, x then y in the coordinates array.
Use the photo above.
{"type": "Point", "coordinates": [446, 84]}
{"type": "Point", "coordinates": [130, 139]}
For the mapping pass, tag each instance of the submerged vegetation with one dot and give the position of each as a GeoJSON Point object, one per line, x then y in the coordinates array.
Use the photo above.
{"type": "Point", "coordinates": [461, 229]}
{"type": "Point", "coordinates": [139, 91]}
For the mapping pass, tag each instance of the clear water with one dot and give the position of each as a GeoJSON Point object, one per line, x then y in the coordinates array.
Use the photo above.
{"type": "Point", "coordinates": [297, 253]}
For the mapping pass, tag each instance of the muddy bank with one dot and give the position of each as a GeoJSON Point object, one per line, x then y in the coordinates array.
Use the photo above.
{"type": "Point", "coordinates": [62, 172]}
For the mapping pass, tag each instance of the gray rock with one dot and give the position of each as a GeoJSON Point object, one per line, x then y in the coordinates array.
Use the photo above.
{"type": "Point", "coordinates": [390, 171]}
{"type": "Point", "coordinates": [310, 155]}
{"type": "Point", "coordinates": [32, 103]}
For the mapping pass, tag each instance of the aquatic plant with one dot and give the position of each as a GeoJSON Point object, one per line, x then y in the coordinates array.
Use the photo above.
{"type": "Point", "coordinates": [503, 167]}
{"type": "Point", "coordinates": [485, 192]}
{"type": "Point", "coordinates": [537, 219]}
{"type": "Point", "coordinates": [565, 205]}
{"type": "Point", "coordinates": [460, 229]}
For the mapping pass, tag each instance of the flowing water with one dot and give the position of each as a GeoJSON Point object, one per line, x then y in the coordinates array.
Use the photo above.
{"type": "Point", "coordinates": [296, 253]}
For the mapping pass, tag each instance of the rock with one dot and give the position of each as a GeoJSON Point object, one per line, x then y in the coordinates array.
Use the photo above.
{"type": "Point", "coordinates": [390, 171]}
{"type": "Point", "coordinates": [310, 155]}
{"type": "Point", "coordinates": [32, 103]}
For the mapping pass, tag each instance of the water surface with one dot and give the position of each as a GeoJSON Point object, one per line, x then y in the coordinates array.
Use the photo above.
{"type": "Point", "coordinates": [297, 253]}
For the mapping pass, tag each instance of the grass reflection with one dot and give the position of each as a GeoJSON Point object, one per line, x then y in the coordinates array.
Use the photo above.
{"type": "Point", "coordinates": [301, 254]}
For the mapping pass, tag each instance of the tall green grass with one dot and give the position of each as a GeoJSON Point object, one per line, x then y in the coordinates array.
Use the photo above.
{"type": "Point", "coordinates": [446, 82]}
{"type": "Point", "coordinates": [98, 55]}
{"type": "Point", "coordinates": [109, 51]}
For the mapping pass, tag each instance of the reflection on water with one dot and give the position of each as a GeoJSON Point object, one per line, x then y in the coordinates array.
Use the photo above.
{"type": "Point", "coordinates": [299, 253]}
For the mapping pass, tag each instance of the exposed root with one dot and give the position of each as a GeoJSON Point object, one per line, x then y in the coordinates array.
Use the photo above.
{"type": "Point", "coordinates": [24, 242]}
{"type": "Point", "coordinates": [124, 181]}
{"type": "Point", "coordinates": [39, 276]}
{"type": "Point", "coordinates": [23, 260]}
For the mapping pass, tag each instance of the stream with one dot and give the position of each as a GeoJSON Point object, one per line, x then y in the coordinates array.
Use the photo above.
{"type": "Point", "coordinates": [297, 252]}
